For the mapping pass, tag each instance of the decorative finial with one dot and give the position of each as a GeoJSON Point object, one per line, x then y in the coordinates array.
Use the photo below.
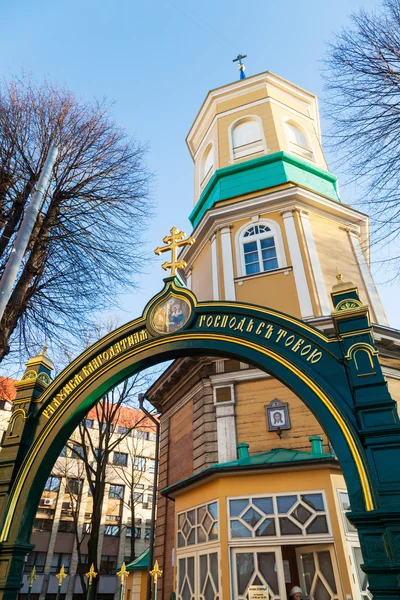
{"type": "Point", "coordinates": [43, 350]}
{"type": "Point", "coordinates": [339, 276]}
{"type": "Point", "coordinates": [32, 576]}
{"type": "Point", "coordinates": [122, 574]}
{"type": "Point", "coordinates": [174, 241]}
{"type": "Point", "coordinates": [91, 574]}
{"type": "Point", "coordinates": [61, 575]}
{"type": "Point", "coordinates": [156, 572]}
{"type": "Point", "coordinates": [241, 67]}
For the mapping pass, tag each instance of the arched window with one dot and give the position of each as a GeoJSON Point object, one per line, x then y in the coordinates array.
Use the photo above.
{"type": "Point", "coordinates": [207, 164]}
{"type": "Point", "coordinates": [247, 138]}
{"type": "Point", "coordinates": [298, 143]}
{"type": "Point", "coordinates": [259, 249]}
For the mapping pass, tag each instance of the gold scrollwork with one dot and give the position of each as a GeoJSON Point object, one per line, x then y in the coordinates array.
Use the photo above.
{"type": "Point", "coordinates": [348, 304]}
{"type": "Point", "coordinates": [30, 375]}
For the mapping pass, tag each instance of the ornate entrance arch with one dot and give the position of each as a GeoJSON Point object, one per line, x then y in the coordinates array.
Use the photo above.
{"type": "Point", "coordinates": [339, 379]}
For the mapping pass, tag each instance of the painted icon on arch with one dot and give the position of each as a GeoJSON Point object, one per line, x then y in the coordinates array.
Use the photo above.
{"type": "Point", "coordinates": [278, 415]}
{"type": "Point", "coordinates": [170, 315]}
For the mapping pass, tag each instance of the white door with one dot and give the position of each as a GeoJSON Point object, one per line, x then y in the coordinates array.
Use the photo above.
{"type": "Point", "coordinates": [318, 572]}
{"type": "Point", "coordinates": [258, 566]}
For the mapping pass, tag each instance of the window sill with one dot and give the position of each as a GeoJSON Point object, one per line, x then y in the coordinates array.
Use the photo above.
{"type": "Point", "coordinates": [284, 270]}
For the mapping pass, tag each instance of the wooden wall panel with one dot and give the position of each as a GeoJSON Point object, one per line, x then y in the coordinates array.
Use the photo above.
{"type": "Point", "coordinates": [251, 420]}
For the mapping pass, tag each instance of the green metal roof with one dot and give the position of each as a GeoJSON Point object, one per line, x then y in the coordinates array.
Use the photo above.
{"type": "Point", "coordinates": [260, 174]}
{"type": "Point", "coordinates": [273, 458]}
{"type": "Point", "coordinates": [140, 563]}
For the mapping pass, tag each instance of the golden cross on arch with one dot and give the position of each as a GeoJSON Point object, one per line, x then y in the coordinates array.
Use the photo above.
{"type": "Point", "coordinates": [61, 575]}
{"type": "Point", "coordinates": [122, 574]}
{"type": "Point", "coordinates": [91, 574]}
{"type": "Point", "coordinates": [156, 572]}
{"type": "Point", "coordinates": [173, 242]}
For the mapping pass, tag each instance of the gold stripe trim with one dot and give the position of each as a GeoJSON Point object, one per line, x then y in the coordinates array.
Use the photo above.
{"type": "Point", "coordinates": [369, 503]}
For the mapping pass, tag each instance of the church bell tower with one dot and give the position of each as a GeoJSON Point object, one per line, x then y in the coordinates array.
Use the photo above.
{"type": "Point", "coordinates": [269, 224]}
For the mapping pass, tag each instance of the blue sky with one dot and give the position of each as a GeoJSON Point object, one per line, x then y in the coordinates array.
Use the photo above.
{"type": "Point", "coordinates": [157, 60]}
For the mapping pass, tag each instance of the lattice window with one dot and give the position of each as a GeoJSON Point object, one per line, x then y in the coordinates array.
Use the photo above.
{"type": "Point", "coordinates": [274, 516]}
{"type": "Point", "coordinates": [198, 577]}
{"type": "Point", "coordinates": [198, 525]}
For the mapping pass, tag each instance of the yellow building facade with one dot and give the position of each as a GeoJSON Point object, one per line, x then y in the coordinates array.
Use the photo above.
{"type": "Point", "coordinates": [252, 493]}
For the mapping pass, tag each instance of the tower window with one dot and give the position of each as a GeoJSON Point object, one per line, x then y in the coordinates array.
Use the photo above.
{"type": "Point", "coordinates": [259, 250]}
{"type": "Point", "coordinates": [247, 138]}
{"type": "Point", "coordinates": [298, 143]}
{"type": "Point", "coordinates": [207, 164]}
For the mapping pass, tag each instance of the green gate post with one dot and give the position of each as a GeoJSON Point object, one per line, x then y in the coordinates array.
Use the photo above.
{"type": "Point", "coordinates": [379, 431]}
{"type": "Point", "coordinates": [15, 446]}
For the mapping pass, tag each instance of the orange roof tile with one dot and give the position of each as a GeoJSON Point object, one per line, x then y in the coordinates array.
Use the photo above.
{"type": "Point", "coordinates": [127, 417]}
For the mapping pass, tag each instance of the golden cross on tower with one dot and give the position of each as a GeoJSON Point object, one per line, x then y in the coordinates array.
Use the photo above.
{"type": "Point", "coordinates": [61, 575]}
{"type": "Point", "coordinates": [156, 572]}
{"type": "Point", "coordinates": [91, 574]}
{"type": "Point", "coordinates": [173, 242]}
{"type": "Point", "coordinates": [122, 574]}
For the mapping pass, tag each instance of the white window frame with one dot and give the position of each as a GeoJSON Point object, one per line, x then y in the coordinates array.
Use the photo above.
{"type": "Point", "coordinates": [188, 549]}
{"type": "Point", "coordinates": [363, 595]}
{"type": "Point", "coordinates": [275, 233]}
{"type": "Point", "coordinates": [195, 554]}
{"type": "Point", "coordinates": [314, 549]}
{"type": "Point", "coordinates": [315, 538]}
{"type": "Point", "coordinates": [205, 177]}
{"type": "Point", "coordinates": [350, 535]}
{"type": "Point", "coordinates": [307, 152]}
{"type": "Point", "coordinates": [253, 548]}
{"type": "Point", "coordinates": [253, 150]}
{"type": "Point", "coordinates": [222, 385]}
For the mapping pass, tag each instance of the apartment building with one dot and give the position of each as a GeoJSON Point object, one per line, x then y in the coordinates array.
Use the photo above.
{"type": "Point", "coordinates": [63, 517]}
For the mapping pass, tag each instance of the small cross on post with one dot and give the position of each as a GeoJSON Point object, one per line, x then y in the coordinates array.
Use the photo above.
{"type": "Point", "coordinates": [155, 574]}
{"type": "Point", "coordinates": [91, 574]}
{"type": "Point", "coordinates": [173, 242]}
{"type": "Point", "coordinates": [122, 575]}
{"type": "Point", "coordinates": [31, 580]}
{"type": "Point", "coordinates": [60, 576]}
{"type": "Point", "coordinates": [241, 66]}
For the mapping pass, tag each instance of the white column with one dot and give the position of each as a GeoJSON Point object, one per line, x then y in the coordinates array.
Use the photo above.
{"type": "Point", "coordinates": [227, 263]}
{"type": "Point", "coordinates": [300, 279]}
{"type": "Point", "coordinates": [189, 279]}
{"type": "Point", "coordinates": [325, 305]}
{"type": "Point", "coordinates": [226, 428]}
{"type": "Point", "coordinates": [214, 267]}
{"type": "Point", "coordinates": [368, 280]}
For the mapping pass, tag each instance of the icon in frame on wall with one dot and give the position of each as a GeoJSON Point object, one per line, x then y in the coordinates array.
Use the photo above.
{"type": "Point", "coordinates": [278, 415]}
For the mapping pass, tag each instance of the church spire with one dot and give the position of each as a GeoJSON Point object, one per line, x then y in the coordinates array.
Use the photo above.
{"type": "Point", "coordinates": [241, 67]}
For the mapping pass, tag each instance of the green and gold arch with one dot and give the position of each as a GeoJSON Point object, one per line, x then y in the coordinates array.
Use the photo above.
{"type": "Point", "coordinates": [339, 378]}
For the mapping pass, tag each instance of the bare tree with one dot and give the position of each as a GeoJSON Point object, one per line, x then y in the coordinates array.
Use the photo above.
{"type": "Point", "coordinates": [363, 100]}
{"type": "Point", "coordinates": [135, 475]}
{"type": "Point", "coordinates": [87, 244]}
{"type": "Point", "coordinates": [91, 450]}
